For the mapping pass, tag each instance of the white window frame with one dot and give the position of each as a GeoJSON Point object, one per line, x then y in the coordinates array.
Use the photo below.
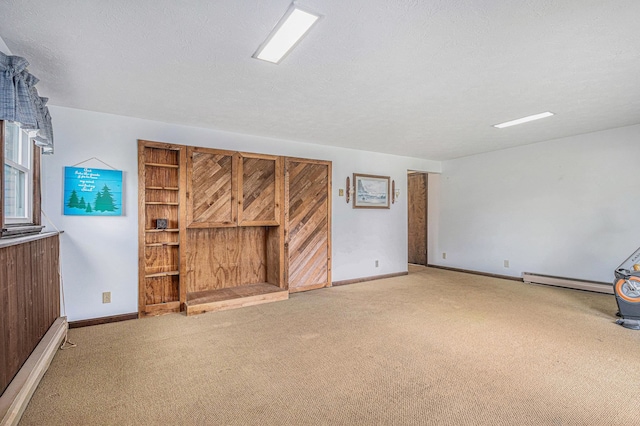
{"type": "Point", "coordinates": [25, 147]}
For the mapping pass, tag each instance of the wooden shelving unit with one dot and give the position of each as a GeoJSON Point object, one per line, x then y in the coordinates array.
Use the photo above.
{"type": "Point", "coordinates": [241, 229]}
{"type": "Point", "coordinates": [159, 249]}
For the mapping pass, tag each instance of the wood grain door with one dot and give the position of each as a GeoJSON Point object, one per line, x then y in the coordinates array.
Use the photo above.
{"type": "Point", "coordinates": [417, 206]}
{"type": "Point", "coordinates": [308, 224]}
{"type": "Point", "coordinates": [260, 185]}
{"type": "Point", "coordinates": [212, 187]}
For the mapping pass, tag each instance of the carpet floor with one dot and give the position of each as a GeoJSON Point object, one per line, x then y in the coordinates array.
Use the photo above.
{"type": "Point", "coordinates": [434, 347]}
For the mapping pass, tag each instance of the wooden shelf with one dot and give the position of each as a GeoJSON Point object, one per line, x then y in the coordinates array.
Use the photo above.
{"type": "Point", "coordinates": [164, 188]}
{"type": "Point", "coordinates": [162, 244]}
{"type": "Point", "coordinates": [161, 203]}
{"type": "Point", "coordinates": [171, 166]}
{"type": "Point", "coordinates": [162, 274]}
{"type": "Point", "coordinates": [162, 230]}
{"type": "Point", "coordinates": [234, 297]}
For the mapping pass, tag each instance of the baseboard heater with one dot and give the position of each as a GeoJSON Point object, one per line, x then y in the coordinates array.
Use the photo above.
{"type": "Point", "coordinates": [599, 287]}
{"type": "Point", "coordinates": [17, 395]}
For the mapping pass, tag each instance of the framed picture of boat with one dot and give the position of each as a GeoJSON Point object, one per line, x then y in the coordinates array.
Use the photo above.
{"type": "Point", "coordinates": [371, 191]}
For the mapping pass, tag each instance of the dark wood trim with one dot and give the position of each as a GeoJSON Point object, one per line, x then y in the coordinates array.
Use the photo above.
{"type": "Point", "coordinates": [329, 220]}
{"type": "Point", "coordinates": [141, 223]}
{"type": "Point", "coordinates": [393, 192]}
{"type": "Point", "coordinates": [2, 176]}
{"type": "Point", "coordinates": [103, 320]}
{"type": "Point", "coordinates": [372, 278]}
{"type": "Point", "coordinates": [426, 216]}
{"type": "Point", "coordinates": [348, 190]}
{"type": "Point", "coordinates": [36, 173]}
{"type": "Point", "coordinates": [468, 271]}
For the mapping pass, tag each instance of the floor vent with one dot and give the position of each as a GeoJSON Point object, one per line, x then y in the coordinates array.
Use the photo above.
{"type": "Point", "coordinates": [531, 278]}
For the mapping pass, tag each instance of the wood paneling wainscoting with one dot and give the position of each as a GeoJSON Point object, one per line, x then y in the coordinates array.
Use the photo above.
{"type": "Point", "coordinates": [29, 310]}
{"type": "Point", "coordinates": [29, 298]}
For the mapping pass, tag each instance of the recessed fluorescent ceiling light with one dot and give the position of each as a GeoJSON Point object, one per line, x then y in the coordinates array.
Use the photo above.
{"type": "Point", "coordinates": [294, 25]}
{"type": "Point", "coordinates": [523, 120]}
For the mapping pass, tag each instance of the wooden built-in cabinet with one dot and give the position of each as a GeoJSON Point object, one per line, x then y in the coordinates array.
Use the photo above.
{"type": "Point", "coordinates": [233, 253]}
{"type": "Point", "coordinates": [226, 189]}
{"type": "Point", "coordinates": [212, 188]}
{"type": "Point", "coordinates": [260, 190]}
{"type": "Point", "coordinates": [228, 213]}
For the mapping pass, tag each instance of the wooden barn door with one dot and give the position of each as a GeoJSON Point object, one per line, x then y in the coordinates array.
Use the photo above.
{"type": "Point", "coordinates": [417, 206]}
{"type": "Point", "coordinates": [308, 224]}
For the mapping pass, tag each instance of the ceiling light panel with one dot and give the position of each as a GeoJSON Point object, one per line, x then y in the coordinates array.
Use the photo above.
{"type": "Point", "coordinates": [293, 26]}
{"type": "Point", "coordinates": [523, 120]}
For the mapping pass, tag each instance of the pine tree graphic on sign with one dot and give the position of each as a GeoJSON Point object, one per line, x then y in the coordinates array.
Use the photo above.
{"type": "Point", "coordinates": [104, 201]}
{"type": "Point", "coordinates": [73, 200]}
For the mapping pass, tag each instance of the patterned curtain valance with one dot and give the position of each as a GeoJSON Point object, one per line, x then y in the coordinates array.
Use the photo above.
{"type": "Point", "coordinates": [20, 102]}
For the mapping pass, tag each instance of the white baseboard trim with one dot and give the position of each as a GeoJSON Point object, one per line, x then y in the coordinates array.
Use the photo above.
{"type": "Point", "coordinates": [577, 284]}
{"type": "Point", "coordinates": [15, 398]}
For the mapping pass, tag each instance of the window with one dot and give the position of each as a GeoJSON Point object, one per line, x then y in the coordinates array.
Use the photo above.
{"type": "Point", "coordinates": [18, 176]}
{"type": "Point", "coordinates": [20, 181]}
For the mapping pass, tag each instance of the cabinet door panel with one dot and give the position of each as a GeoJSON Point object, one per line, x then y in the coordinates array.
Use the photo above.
{"type": "Point", "coordinates": [211, 188]}
{"type": "Point", "coordinates": [260, 181]}
{"type": "Point", "coordinates": [308, 217]}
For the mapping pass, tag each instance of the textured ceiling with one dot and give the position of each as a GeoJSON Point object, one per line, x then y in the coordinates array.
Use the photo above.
{"type": "Point", "coordinates": [421, 78]}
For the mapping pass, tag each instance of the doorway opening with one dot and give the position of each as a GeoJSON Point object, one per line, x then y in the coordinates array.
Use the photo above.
{"type": "Point", "coordinates": [417, 201]}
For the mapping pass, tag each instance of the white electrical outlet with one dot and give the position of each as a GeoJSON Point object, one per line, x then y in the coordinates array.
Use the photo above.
{"type": "Point", "coordinates": [444, 255]}
{"type": "Point", "coordinates": [377, 263]}
{"type": "Point", "coordinates": [106, 297]}
{"type": "Point", "coordinates": [506, 263]}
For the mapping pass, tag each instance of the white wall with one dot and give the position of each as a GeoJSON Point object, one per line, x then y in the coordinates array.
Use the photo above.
{"type": "Point", "coordinates": [568, 207]}
{"type": "Point", "coordinates": [100, 253]}
{"type": "Point", "coordinates": [3, 47]}
{"type": "Point", "coordinates": [433, 217]}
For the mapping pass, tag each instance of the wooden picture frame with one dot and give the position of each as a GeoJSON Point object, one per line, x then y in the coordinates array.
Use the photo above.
{"type": "Point", "coordinates": [371, 191]}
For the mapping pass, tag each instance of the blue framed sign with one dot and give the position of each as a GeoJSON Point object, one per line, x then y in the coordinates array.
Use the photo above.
{"type": "Point", "coordinates": [92, 192]}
